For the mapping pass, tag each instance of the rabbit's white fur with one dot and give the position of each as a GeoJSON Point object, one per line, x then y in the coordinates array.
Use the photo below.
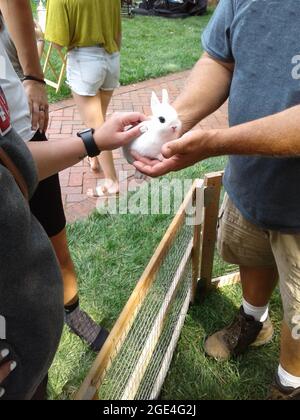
{"type": "Point", "coordinates": [162, 127]}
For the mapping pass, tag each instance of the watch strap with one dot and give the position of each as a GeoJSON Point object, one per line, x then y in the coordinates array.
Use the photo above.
{"type": "Point", "coordinates": [87, 137]}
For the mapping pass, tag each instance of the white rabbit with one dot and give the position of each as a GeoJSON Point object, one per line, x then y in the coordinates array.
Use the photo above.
{"type": "Point", "coordinates": [162, 127]}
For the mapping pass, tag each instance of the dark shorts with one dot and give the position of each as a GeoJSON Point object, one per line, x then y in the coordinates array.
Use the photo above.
{"type": "Point", "coordinates": [46, 204]}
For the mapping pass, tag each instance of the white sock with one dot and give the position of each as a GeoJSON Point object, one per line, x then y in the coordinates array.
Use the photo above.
{"type": "Point", "coordinates": [259, 313]}
{"type": "Point", "coordinates": [288, 380]}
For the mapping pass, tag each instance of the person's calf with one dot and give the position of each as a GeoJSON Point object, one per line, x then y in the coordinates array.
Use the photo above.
{"type": "Point", "coordinates": [286, 385]}
{"type": "Point", "coordinates": [258, 284]}
{"type": "Point", "coordinates": [60, 245]}
{"type": "Point", "coordinates": [79, 322]}
{"type": "Point", "coordinates": [290, 350]}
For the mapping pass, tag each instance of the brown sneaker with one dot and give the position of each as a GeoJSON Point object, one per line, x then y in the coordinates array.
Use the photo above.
{"type": "Point", "coordinates": [234, 340]}
{"type": "Point", "coordinates": [283, 393]}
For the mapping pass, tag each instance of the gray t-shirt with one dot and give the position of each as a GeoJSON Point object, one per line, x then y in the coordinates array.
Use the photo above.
{"type": "Point", "coordinates": [10, 49]}
{"type": "Point", "coordinates": [31, 291]}
{"type": "Point", "coordinates": [12, 86]}
{"type": "Point", "coordinates": [262, 38]}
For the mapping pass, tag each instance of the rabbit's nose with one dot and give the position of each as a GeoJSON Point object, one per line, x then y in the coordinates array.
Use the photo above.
{"type": "Point", "coordinates": [174, 128]}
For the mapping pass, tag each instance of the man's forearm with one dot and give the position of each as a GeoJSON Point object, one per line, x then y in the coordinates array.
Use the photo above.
{"type": "Point", "coordinates": [18, 18]}
{"type": "Point", "coordinates": [206, 90]}
{"type": "Point", "coordinates": [277, 135]}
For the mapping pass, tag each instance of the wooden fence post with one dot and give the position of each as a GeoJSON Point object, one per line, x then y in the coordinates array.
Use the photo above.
{"type": "Point", "coordinates": [196, 254]}
{"type": "Point", "coordinates": [213, 183]}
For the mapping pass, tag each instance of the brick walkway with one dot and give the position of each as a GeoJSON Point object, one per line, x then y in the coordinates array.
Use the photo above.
{"type": "Point", "coordinates": [65, 122]}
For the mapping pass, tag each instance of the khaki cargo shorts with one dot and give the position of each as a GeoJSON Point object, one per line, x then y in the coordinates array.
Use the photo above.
{"type": "Point", "coordinates": [242, 243]}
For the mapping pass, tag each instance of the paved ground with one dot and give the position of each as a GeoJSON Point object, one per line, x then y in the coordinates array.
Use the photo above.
{"type": "Point", "coordinates": [65, 122]}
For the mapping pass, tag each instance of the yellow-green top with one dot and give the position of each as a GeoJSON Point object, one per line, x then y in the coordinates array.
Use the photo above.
{"type": "Point", "coordinates": [84, 23]}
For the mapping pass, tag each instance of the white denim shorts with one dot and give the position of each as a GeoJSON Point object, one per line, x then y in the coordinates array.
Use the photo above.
{"type": "Point", "coordinates": [90, 69]}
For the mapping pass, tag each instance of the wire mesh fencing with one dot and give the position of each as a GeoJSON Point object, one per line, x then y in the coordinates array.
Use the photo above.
{"type": "Point", "coordinates": [135, 359]}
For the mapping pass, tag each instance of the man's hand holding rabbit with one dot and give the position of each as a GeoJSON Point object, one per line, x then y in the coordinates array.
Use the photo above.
{"type": "Point", "coordinates": [191, 148]}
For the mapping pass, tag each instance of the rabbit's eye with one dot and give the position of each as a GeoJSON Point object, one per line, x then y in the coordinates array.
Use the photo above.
{"type": "Point", "coordinates": [162, 120]}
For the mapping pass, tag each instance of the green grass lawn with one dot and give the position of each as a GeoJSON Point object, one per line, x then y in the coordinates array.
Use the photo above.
{"type": "Point", "coordinates": [110, 253]}
{"type": "Point", "coordinates": [152, 47]}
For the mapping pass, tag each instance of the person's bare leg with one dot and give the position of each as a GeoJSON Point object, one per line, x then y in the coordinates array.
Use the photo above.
{"type": "Point", "coordinates": [106, 158]}
{"type": "Point", "coordinates": [290, 351]}
{"type": "Point", "coordinates": [92, 110]}
{"type": "Point", "coordinates": [258, 284]}
{"type": "Point", "coordinates": [79, 322]}
{"type": "Point", "coordinates": [286, 385]}
{"type": "Point", "coordinates": [60, 245]}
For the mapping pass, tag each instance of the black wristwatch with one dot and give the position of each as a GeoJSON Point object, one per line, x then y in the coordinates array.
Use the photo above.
{"type": "Point", "coordinates": [87, 137]}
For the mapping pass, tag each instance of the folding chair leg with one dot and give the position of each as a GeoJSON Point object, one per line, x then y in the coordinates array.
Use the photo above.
{"type": "Point", "coordinates": [48, 65]}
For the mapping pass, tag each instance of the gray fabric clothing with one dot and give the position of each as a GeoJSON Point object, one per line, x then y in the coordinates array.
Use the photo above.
{"type": "Point", "coordinates": [13, 88]}
{"type": "Point", "coordinates": [10, 49]}
{"type": "Point", "coordinates": [31, 291]}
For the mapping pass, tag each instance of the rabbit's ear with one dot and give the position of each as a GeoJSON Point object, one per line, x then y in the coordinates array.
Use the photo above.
{"type": "Point", "coordinates": [154, 102]}
{"type": "Point", "coordinates": [165, 96]}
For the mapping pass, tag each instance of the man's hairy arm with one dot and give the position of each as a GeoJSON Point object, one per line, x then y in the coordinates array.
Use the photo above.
{"type": "Point", "coordinates": [206, 90]}
{"type": "Point", "coordinates": [277, 136]}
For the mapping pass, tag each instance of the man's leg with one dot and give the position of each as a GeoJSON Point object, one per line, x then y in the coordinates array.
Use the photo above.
{"type": "Point", "coordinates": [258, 284]}
{"type": "Point", "coordinates": [290, 350]}
{"type": "Point", "coordinates": [242, 243]}
{"type": "Point", "coordinates": [287, 379]}
{"type": "Point", "coordinates": [286, 250]}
